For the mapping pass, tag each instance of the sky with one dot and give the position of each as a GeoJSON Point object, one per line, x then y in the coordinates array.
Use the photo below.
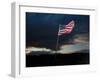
{"type": "Point", "coordinates": [42, 28]}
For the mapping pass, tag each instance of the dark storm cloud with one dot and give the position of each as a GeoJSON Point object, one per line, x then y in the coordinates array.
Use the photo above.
{"type": "Point", "coordinates": [42, 28]}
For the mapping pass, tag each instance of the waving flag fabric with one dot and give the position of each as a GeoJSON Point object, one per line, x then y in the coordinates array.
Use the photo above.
{"type": "Point", "coordinates": [67, 28]}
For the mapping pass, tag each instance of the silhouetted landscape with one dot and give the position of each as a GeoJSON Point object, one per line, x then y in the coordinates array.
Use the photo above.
{"type": "Point", "coordinates": [48, 59]}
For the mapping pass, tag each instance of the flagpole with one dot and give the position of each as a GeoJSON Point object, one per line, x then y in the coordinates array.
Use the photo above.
{"type": "Point", "coordinates": [57, 40]}
{"type": "Point", "coordinates": [69, 28]}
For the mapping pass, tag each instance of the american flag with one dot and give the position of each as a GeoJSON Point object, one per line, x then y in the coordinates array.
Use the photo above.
{"type": "Point", "coordinates": [67, 28]}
